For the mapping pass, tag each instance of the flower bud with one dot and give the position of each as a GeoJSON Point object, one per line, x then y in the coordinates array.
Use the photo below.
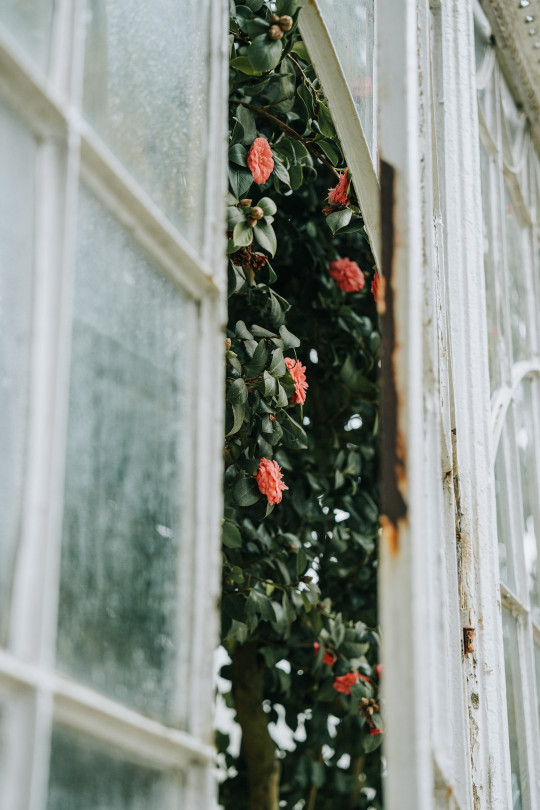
{"type": "Point", "coordinates": [275, 18]}
{"type": "Point", "coordinates": [286, 22]}
{"type": "Point", "coordinates": [245, 203]}
{"type": "Point", "coordinates": [275, 32]}
{"type": "Point", "coordinates": [257, 212]}
{"type": "Point", "coordinates": [227, 344]}
{"type": "Point", "coordinates": [251, 222]}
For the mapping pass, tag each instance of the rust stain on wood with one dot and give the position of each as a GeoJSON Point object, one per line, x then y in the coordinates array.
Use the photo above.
{"type": "Point", "coordinates": [393, 467]}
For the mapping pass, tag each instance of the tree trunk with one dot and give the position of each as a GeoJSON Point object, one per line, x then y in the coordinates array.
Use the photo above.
{"type": "Point", "coordinates": [257, 746]}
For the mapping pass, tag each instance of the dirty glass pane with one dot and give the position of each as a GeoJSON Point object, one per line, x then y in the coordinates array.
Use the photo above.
{"type": "Point", "coordinates": [507, 560]}
{"type": "Point", "coordinates": [351, 27]}
{"type": "Point", "coordinates": [17, 157]}
{"type": "Point", "coordinates": [498, 353]}
{"type": "Point", "coordinates": [127, 463]}
{"type": "Point", "coordinates": [513, 702]}
{"type": "Point", "coordinates": [517, 289]}
{"type": "Point", "coordinates": [30, 22]}
{"type": "Point", "coordinates": [85, 775]}
{"type": "Point", "coordinates": [146, 89]}
{"type": "Point", "coordinates": [526, 421]}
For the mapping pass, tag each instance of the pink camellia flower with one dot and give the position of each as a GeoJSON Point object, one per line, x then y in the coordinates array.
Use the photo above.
{"type": "Point", "coordinates": [375, 286]}
{"type": "Point", "coordinates": [260, 161]}
{"type": "Point", "coordinates": [343, 683]}
{"type": "Point", "coordinates": [347, 275]}
{"type": "Point", "coordinates": [379, 671]}
{"type": "Point", "coordinates": [328, 658]}
{"type": "Point", "coordinates": [269, 480]}
{"type": "Point", "coordinates": [338, 194]}
{"type": "Point", "coordinates": [298, 373]}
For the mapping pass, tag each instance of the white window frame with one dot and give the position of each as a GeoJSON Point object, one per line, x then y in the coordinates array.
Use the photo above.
{"type": "Point", "coordinates": [35, 695]}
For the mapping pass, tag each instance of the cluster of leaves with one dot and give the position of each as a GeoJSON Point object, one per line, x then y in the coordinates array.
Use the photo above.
{"type": "Point", "coordinates": [300, 576]}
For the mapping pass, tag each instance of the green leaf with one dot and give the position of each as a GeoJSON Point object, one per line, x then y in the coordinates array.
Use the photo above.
{"type": "Point", "coordinates": [242, 234]}
{"type": "Point", "coordinates": [301, 51]}
{"type": "Point", "coordinates": [264, 53]}
{"type": "Point", "coordinates": [325, 121]}
{"type": "Point", "coordinates": [330, 151]}
{"type": "Point", "coordinates": [238, 154]}
{"type": "Point", "coordinates": [240, 180]}
{"type": "Point", "coordinates": [338, 219]}
{"type": "Point", "coordinates": [268, 206]}
{"type": "Point", "coordinates": [256, 26]}
{"type": "Point", "coordinates": [246, 492]}
{"type": "Point", "coordinates": [230, 535]}
{"type": "Point", "coordinates": [265, 236]}
{"type": "Point", "coordinates": [306, 99]}
{"type": "Point", "coordinates": [243, 64]}
{"type": "Point", "coordinates": [260, 332]}
{"type": "Point", "coordinates": [277, 366]}
{"type": "Point", "coordinates": [286, 7]}
{"type": "Point", "coordinates": [254, 5]}
{"type": "Point", "coordinates": [297, 175]}
{"type": "Point", "coordinates": [237, 632]}
{"type": "Point", "coordinates": [237, 392]}
{"type": "Point", "coordinates": [290, 341]}
{"type": "Point", "coordinates": [234, 215]}
{"type": "Point", "coordinates": [247, 121]}
{"type": "Point", "coordinates": [269, 385]}
{"type": "Point", "coordinates": [294, 435]}
{"type": "Point", "coordinates": [281, 172]}
{"type": "Point", "coordinates": [282, 398]}
{"type": "Point", "coordinates": [258, 361]}
{"type": "Point", "coordinates": [238, 418]}
{"type": "Point", "coordinates": [241, 331]}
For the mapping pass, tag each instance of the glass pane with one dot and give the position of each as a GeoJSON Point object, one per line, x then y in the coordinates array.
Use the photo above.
{"type": "Point", "coordinates": [351, 26]}
{"type": "Point", "coordinates": [17, 151]}
{"type": "Point", "coordinates": [526, 419]}
{"type": "Point", "coordinates": [30, 21]}
{"type": "Point", "coordinates": [498, 355]}
{"type": "Point", "coordinates": [127, 463]}
{"type": "Point", "coordinates": [507, 559]}
{"type": "Point", "coordinates": [517, 267]}
{"type": "Point", "coordinates": [87, 776]}
{"type": "Point", "coordinates": [511, 668]}
{"type": "Point", "coordinates": [146, 84]}
{"type": "Point", "coordinates": [537, 668]}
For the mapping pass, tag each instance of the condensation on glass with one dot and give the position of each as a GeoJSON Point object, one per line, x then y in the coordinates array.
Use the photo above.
{"type": "Point", "coordinates": [119, 628]}
{"type": "Point", "coordinates": [16, 296]}
{"type": "Point", "coordinates": [146, 91]}
{"type": "Point", "coordinates": [30, 22]}
{"type": "Point", "coordinates": [86, 775]}
{"type": "Point", "coordinates": [351, 26]}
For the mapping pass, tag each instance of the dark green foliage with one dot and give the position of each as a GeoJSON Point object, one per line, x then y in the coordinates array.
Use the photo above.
{"type": "Point", "coordinates": [303, 571]}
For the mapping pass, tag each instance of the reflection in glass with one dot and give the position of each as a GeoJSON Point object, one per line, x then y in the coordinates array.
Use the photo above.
{"type": "Point", "coordinates": [146, 89]}
{"type": "Point", "coordinates": [127, 456]}
{"type": "Point", "coordinates": [525, 421]}
{"type": "Point", "coordinates": [517, 291]}
{"type": "Point", "coordinates": [351, 27]}
{"type": "Point", "coordinates": [85, 775]}
{"type": "Point", "coordinates": [17, 156]}
{"type": "Point", "coordinates": [30, 22]}
{"type": "Point", "coordinates": [511, 668]}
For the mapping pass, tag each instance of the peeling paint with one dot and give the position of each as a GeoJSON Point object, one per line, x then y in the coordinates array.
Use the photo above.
{"type": "Point", "coordinates": [393, 447]}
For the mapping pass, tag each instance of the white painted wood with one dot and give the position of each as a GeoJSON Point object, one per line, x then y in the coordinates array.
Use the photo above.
{"type": "Point", "coordinates": [346, 119]}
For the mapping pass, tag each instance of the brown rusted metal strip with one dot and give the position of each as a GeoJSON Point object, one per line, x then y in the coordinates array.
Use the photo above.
{"type": "Point", "coordinates": [393, 469]}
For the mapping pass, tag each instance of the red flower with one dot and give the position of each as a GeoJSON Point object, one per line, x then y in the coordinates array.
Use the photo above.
{"type": "Point", "coordinates": [379, 671]}
{"type": "Point", "coordinates": [364, 678]}
{"type": "Point", "coordinates": [298, 373]}
{"type": "Point", "coordinates": [374, 730]}
{"type": "Point", "coordinates": [375, 286]}
{"type": "Point", "coordinates": [328, 658]}
{"type": "Point", "coordinates": [260, 161]}
{"type": "Point", "coordinates": [269, 480]}
{"type": "Point", "coordinates": [338, 194]}
{"type": "Point", "coordinates": [343, 683]}
{"type": "Point", "coordinates": [347, 275]}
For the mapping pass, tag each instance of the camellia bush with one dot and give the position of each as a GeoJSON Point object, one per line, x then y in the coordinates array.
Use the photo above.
{"type": "Point", "coordinates": [299, 606]}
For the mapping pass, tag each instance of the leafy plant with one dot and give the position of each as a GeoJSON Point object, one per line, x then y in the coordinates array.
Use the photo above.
{"type": "Point", "coordinates": [299, 564]}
